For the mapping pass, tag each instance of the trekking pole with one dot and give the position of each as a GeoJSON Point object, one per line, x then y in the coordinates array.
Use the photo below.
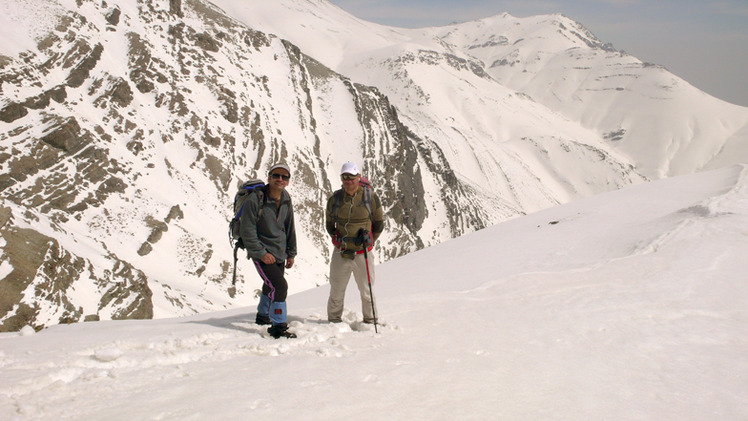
{"type": "Point", "coordinates": [362, 233]}
{"type": "Point", "coordinates": [232, 289]}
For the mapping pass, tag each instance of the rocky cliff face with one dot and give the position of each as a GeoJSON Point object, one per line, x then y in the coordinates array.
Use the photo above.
{"type": "Point", "coordinates": [124, 135]}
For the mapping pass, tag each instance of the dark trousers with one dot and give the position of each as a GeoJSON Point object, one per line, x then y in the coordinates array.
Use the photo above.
{"type": "Point", "coordinates": [274, 283]}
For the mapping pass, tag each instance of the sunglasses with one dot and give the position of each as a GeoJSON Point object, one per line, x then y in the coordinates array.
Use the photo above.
{"type": "Point", "coordinates": [348, 177]}
{"type": "Point", "coordinates": [281, 176]}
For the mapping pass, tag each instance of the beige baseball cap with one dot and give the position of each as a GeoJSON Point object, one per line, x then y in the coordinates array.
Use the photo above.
{"type": "Point", "coordinates": [282, 165]}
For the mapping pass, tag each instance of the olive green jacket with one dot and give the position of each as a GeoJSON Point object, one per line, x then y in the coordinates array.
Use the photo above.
{"type": "Point", "coordinates": [353, 215]}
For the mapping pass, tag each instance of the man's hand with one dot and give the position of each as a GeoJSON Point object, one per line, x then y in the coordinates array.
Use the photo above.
{"type": "Point", "coordinates": [268, 259]}
{"type": "Point", "coordinates": [289, 263]}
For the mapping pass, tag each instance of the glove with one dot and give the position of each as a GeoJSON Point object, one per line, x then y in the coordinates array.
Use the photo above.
{"type": "Point", "coordinates": [362, 237]}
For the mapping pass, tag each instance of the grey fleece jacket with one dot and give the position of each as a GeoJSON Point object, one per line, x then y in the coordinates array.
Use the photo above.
{"type": "Point", "coordinates": [274, 232]}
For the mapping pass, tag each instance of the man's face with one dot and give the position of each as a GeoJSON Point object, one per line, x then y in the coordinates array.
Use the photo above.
{"type": "Point", "coordinates": [279, 178]}
{"type": "Point", "coordinates": [350, 182]}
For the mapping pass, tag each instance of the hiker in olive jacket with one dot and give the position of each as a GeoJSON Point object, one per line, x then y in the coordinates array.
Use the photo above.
{"type": "Point", "coordinates": [269, 235]}
{"type": "Point", "coordinates": [350, 210]}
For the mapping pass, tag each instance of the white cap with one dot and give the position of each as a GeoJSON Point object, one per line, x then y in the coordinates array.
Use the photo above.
{"type": "Point", "coordinates": [350, 168]}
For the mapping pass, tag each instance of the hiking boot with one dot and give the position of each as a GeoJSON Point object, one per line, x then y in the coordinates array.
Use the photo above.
{"type": "Point", "coordinates": [280, 331]}
{"type": "Point", "coordinates": [262, 320]}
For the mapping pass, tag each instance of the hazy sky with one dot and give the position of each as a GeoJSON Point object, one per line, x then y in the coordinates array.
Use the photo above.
{"type": "Point", "coordinates": [703, 42]}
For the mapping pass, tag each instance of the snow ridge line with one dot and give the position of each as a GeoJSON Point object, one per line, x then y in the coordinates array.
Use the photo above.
{"type": "Point", "coordinates": [734, 200]}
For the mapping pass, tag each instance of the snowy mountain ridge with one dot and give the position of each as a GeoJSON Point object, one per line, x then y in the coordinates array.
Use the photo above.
{"type": "Point", "coordinates": [125, 128]}
{"type": "Point", "coordinates": [656, 119]}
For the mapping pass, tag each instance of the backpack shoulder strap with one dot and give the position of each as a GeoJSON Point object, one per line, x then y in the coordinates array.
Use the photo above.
{"type": "Point", "coordinates": [261, 198]}
{"type": "Point", "coordinates": [367, 201]}
{"type": "Point", "coordinates": [337, 201]}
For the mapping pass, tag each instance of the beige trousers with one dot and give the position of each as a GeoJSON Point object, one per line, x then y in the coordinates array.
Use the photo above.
{"type": "Point", "coordinates": [340, 273]}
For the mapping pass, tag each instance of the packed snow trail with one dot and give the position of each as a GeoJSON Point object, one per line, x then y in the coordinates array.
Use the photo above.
{"type": "Point", "coordinates": [628, 305]}
{"type": "Point", "coordinates": [123, 358]}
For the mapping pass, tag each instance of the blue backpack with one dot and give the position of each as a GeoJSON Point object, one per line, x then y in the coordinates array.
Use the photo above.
{"type": "Point", "coordinates": [254, 186]}
{"type": "Point", "coordinates": [240, 199]}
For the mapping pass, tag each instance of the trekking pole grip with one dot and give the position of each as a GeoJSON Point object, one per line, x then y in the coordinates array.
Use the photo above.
{"type": "Point", "coordinates": [363, 237]}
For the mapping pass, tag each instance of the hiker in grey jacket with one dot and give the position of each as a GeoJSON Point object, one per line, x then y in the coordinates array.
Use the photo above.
{"type": "Point", "coordinates": [269, 235]}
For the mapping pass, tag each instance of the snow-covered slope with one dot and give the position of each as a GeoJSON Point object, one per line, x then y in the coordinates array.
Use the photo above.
{"type": "Point", "coordinates": [627, 305]}
{"type": "Point", "coordinates": [124, 135]}
{"type": "Point", "coordinates": [124, 129]}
